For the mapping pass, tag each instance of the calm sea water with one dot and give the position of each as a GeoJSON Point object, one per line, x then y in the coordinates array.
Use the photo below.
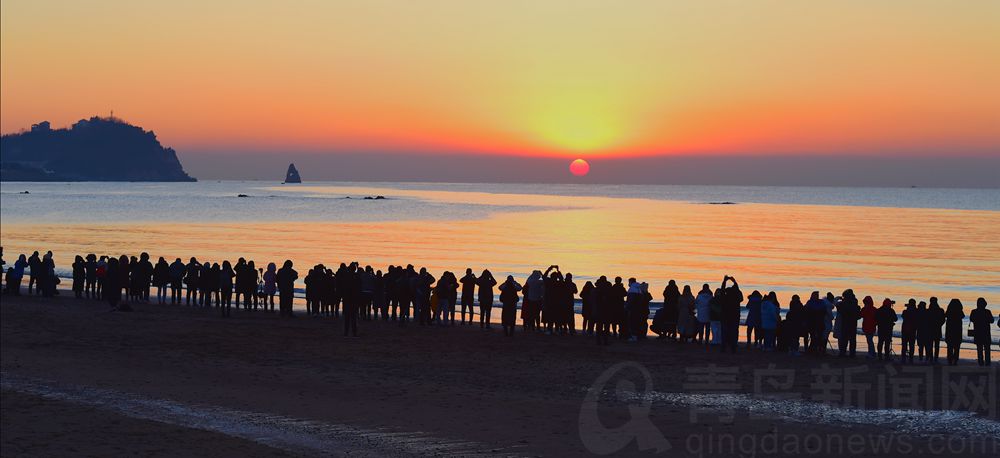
{"type": "Point", "coordinates": [894, 242]}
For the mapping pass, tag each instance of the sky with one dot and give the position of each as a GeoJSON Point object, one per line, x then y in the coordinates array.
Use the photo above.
{"type": "Point", "coordinates": [530, 83]}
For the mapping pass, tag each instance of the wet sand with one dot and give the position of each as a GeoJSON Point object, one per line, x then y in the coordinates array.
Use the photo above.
{"type": "Point", "coordinates": [392, 391]}
{"type": "Point", "coordinates": [35, 426]}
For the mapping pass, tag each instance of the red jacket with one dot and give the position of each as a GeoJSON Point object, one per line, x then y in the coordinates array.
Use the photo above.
{"type": "Point", "coordinates": [868, 319]}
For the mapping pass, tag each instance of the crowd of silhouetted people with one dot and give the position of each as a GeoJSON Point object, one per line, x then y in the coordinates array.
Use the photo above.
{"type": "Point", "coordinates": [610, 309]}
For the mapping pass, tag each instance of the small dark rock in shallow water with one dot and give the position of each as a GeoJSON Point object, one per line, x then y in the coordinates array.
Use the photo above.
{"type": "Point", "coordinates": [347, 197]}
{"type": "Point", "coordinates": [369, 198]}
{"type": "Point", "coordinates": [24, 192]}
{"type": "Point", "coordinates": [379, 197]}
{"type": "Point", "coordinates": [722, 203]}
{"type": "Point", "coordinates": [242, 195]}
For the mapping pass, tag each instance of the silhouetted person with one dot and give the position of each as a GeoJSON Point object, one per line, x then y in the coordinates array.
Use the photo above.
{"type": "Point", "coordinates": [217, 283]}
{"type": "Point", "coordinates": [286, 277]}
{"type": "Point", "coordinates": [46, 280]}
{"type": "Point", "coordinates": [341, 286]}
{"type": "Point", "coordinates": [90, 276]}
{"type": "Point", "coordinates": [349, 284]}
{"type": "Point", "coordinates": [161, 277]}
{"type": "Point", "coordinates": [909, 331]}
{"type": "Point", "coordinates": [79, 276]}
{"type": "Point", "coordinates": [102, 275]}
{"type": "Point", "coordinates": [255, 286]}
{"type": "Point", "coordinates": [447, 291]}
{"type": "Point", "coordinates": [604, 313]}
{"type": "Point", "coordinates": [982, 321]}
{"type": "Point", "coordinates": [534, 295]}
{"type": "Point", "coordinates": [422, 296]}
{"type": "Point", "coordinates": [848, 313]}
{"type": "Point", "coordinates": [869, 323]}
{"type": "Point", "coordinates": [468, 293]}
{"type": "Point", "coordinates": [702, 313]}
{"type": "Point", "coordinates": [732, 297]}
{"type": "Point", "coordinates": [405, 282]}
{"type": "Point", "coordinates": [145, 276]}
{"type": "Point", "coordinates": [10, 284]}
{"type": "Point", "coordinates": [886, 318]}
{"type": "Point", "coordinates": [35, 269]}
{"type": "Point", "coordinates": [569, 291]}
{"type": "Point", "coordinates": [113, 287]}
{"type": "Point", "coordinates": [270, 279]}
{"type": "Point", "coordinates": [552, 280]}
{"type": "Point", "coordinates": [637, 301]}
{"type": "Point", "coordinates": [16, 276]}
{"type": "Point", "coordinates": [686, 327]}
{"type": "Point", "coordinates": [671, 294]}
{"type": "Point", "coordinates": [770, 317]}
{"type": "Point", "coordinates": [124, 267]}
{"type": "Point", "coordinates": [380, 299]}
{"type": "Point", "coordinates": [366, 278]}
{"type": "Point", "coordinates": [132, 280]}
{"type": "Point", "coordinates": [226, 278]}
{"type": "Point", "coordinates": [509, 298]}
{"type": "Point", "coordinates": [177, 269]}
{"type": "Point", "coordinates": [192, 271]}
{"type": "Point", "coordinates": [954, 329]}
{"type": "Point", "coordinates": [931, 330]}
{"type": "Point", "coordinates": [828, 305]}
{"type": "Point", "coordinates": [921, 337]}
{"type": "Point", "coordinates": [392, 290]}
{"type": "Point", "coordinates": [312, 281]}
{"type": "Point", "coordinates": [794, 327]}
{"type": "Point", "coordinates": [206, 284]}
{"type": "Point", "coordinates": [715, 317]}
{"type": "Point", "coordinates": [618, 319]}
{"type": "Point", "coordinates": [244, 285]}
{"type": "Point", "coordinates": [816, 317]}
{"type": "Point", "coordinates": [328, 291]}
{"type": "Point", "coordinates": [486, 282]}
{"type": "Point", "coordinates": [753, 318]}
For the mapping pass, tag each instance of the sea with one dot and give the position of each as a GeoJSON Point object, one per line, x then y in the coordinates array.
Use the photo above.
{"type": "Point", "coordinates": [898, 243]}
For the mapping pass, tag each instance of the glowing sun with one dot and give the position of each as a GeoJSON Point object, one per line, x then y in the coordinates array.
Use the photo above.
{"type": "Point", "coordinates": [579, 167]}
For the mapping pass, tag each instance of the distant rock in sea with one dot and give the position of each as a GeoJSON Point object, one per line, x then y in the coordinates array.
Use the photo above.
{"type": "Point", "coordinates": [292, 176]}
{"type": "Point", "coordinates": [95, 149]}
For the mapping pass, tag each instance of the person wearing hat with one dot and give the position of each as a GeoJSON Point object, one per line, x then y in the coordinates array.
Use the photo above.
{"type": "Point", "coordinates": [886, 318]}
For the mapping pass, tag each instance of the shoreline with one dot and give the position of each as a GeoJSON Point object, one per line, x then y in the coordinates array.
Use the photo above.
{"type": "Point", "coordinates": [967, 351]}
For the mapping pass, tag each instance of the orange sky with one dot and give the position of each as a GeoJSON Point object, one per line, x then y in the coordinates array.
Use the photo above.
{"type": "Point", "coordinates": [579, 78]}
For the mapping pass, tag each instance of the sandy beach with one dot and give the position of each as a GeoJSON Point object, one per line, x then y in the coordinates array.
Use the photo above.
{"type": "Point", "coordinates": [177, 381]}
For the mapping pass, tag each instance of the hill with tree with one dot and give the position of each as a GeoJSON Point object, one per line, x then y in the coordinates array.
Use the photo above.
{"type": "Point", "coordinates": [95, 149]}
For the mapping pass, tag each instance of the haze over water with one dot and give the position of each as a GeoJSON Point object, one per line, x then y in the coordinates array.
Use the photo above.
{"type": "Point", "coordinates": [895, 242]}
